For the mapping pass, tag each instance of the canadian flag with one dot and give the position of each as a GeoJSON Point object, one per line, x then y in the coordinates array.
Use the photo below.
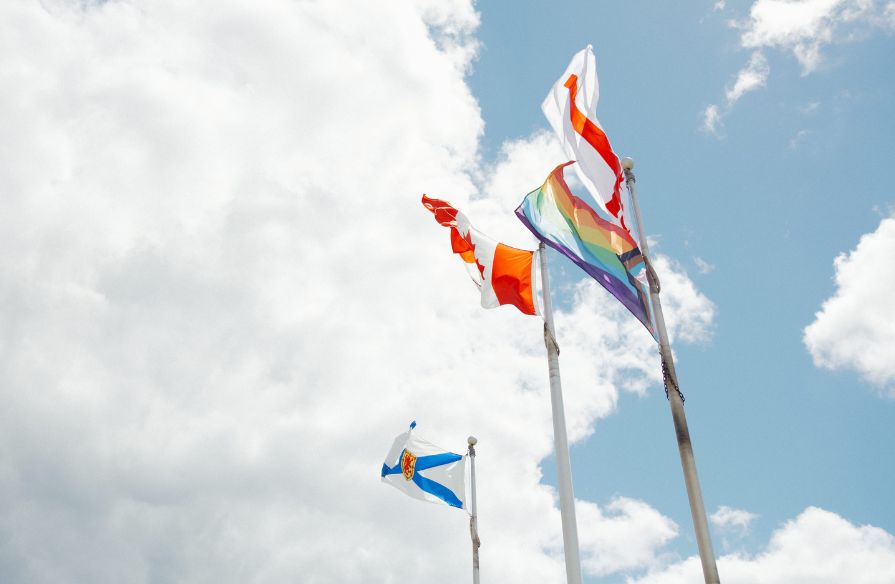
{"type": "Point", "coordinates": [504, 274]}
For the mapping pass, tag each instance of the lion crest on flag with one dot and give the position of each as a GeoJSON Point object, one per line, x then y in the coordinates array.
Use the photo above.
{"type": "Point", "coordinates": [408, 464]}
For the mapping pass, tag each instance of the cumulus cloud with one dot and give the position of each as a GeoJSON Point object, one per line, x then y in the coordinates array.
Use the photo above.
{"type": "Point", "coordinates": [624, 536]}
{"type": "Point", "coordinates": [855, 328]}
{"type": "Point", "coordinates": [801, 27]}
{"type": "Point", "coordinates": [804, 26]}
{"type": "Point", "coordinates": [221, 299]}
{"type": "Point", "coordinates": [817, 547]}
{"type": "Point", "coordinates": [691, 313]}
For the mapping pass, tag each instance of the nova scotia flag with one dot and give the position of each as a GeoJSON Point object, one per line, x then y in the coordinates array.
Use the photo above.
{"type": "Point", "coordinates": [425, 471]}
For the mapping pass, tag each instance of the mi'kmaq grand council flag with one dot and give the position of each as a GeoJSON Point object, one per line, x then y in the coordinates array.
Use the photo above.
{"type": "Point", "coordinates": [425, 471]}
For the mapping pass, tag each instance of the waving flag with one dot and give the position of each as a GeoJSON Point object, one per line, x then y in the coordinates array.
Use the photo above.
{"type": "Point", "coordinates": [425, 471]}
{"type": "Point", "coordinates": [571, 108]}
{"type": "Point", "coordinates": [504, 274]}
{"type": "Point", "coordinates": [603, 249]}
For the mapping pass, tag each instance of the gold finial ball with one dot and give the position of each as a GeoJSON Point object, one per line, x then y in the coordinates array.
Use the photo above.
{"type": "Point", "coordinates": [472, 440]}
{"type": "Point", "coordinates": [628, 163]}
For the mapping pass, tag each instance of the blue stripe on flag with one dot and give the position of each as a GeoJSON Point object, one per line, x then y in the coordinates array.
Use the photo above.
{"type": "Point", "coordinates": [438, 490]}
{"type": "Point", "coordinates": [424, 462]}
{"type": "Point", "coordinates": [395, 469]}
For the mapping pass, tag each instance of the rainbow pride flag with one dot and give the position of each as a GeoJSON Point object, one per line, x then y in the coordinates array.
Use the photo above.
{"type": "Point", "coordinates": [603, 249]}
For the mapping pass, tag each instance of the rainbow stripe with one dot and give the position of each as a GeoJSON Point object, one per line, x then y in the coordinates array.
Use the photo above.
{"type": "Point", "coordinates": [605, 250]}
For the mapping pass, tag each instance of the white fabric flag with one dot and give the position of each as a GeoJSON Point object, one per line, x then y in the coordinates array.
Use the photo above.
{"type": "Point", "coordinates": [424, 471]}
{"type": "Point", "coordinates": [571, 108]}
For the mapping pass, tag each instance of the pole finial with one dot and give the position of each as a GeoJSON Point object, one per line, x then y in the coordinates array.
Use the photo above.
{"type": "Point", "coordinates": [628, 163]}
{"type": "Point", "coordinates": [472, 441]}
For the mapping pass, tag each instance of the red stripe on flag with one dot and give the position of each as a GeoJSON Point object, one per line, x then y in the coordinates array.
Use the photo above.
{"type": "Point", "coordinates": [595, 136]}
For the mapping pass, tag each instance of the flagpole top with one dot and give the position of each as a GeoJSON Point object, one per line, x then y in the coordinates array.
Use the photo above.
{"type": "Point", "coordinates": [472, 440]}
{"type": "Point", "coordinates": [628, 163]}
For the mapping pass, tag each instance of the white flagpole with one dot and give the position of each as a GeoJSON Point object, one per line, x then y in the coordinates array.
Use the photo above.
{"type": "Point", "coordinates": [675, 399]}
{"type": "Point", "coordinates": [560, 441]}
{"type": "Point", "coordinates": [473, 518]}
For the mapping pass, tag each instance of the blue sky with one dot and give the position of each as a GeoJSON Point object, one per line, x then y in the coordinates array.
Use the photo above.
{"type": "Point", "coordinates": [796, 175]}
{"type": "Point", "coordinates": [221, 299]}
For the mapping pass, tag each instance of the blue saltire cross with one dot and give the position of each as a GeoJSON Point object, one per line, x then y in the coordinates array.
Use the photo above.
{"type": "Point", "coordinates": [425, 484]}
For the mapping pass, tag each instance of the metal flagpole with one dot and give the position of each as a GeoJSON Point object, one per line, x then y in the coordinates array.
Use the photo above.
{"type": "Point", "coordinates": [676, 400]}
{"type": "Point", "coordinates": [473, 518]}
{"type": "Point", "coordinates": [560, 441]}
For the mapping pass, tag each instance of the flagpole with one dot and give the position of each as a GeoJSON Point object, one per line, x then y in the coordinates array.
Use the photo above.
{"type": "Point", "coordinates": [675, 399]}
{"type": "Point", "coordinates": [473, 518]}
{"type": "Point", "coordinates": [560, 441]}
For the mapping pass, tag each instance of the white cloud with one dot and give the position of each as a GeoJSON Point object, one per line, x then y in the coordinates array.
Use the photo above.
{"type": "Point", "coordinates": [751, 77]}
{"type": "Point", "coordinates": [802, 27]}
{"type": "Point", "coordinates": [522, 166]}
{"type": "Point", "coordinates": [855, 328]}
{"type": "Point", "coordinates": [702, 266]}
{"type": "Point", "coordinates": [809, 108]}
{"type": "Point", "coordinates": [691, 314]}
{"type": "Point", "coordinates": [711, 119]}
{"type": "Point", "coordinates": [818, 547]}
{"type": "Point", "coordinates": [221, 299]}
{"type": "Point", "coordinates": [798, 139]}
{"type": "Point", "coordinates": [729, 518]}
{"type": "Point", "coordinates": [623, 537]}
{"type": "Point", "coordinates": [888, 15]}
{"type": "Point", "coordinates": [731, 525]}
